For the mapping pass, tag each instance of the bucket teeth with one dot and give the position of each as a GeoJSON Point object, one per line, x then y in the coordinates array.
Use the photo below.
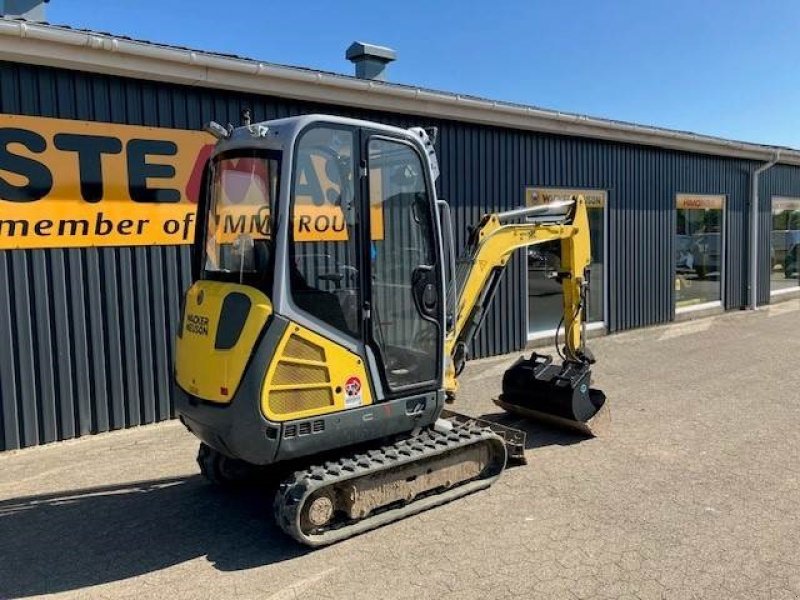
{"type": "Point", "coordinates": [598, 426]}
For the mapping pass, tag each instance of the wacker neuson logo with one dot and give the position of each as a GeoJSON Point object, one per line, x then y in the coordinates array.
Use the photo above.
{"type": "Point", "coordinates": [196, 324]}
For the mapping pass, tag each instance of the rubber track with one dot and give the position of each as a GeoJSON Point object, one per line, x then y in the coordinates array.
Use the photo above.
{"type": "Point", "coordinates": [293, 493]}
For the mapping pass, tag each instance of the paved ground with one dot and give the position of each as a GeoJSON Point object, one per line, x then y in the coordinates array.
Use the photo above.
{"type": "Point", "coordinates": [695, 494]}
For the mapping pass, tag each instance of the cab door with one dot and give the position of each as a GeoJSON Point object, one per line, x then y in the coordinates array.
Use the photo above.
{"type": "Point", "coordinates": [405, 310]}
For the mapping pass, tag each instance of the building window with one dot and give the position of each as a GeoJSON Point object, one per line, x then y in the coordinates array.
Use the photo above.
{"type": "Point", "coordinates": [784, 252]}
{"type": "Point", "coordinates": [699, 250]}
{"type": "Point", "coordinates": [545, 302]}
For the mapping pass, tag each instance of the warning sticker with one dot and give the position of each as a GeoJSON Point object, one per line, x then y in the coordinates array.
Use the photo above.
{"type": "Point", "coordinates": [352, 392]}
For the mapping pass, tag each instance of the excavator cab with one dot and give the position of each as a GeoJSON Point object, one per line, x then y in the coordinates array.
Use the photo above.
{"type": "Point", "coordinates": [317, 291]}
{"type": "Point", "coordinates": [328, 319]}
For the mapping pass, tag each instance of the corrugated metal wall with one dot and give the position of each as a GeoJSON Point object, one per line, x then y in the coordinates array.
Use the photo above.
{"type": "Point", "coordinates": [780, 180]}
{"type": "Point", "coordinates": [86, 339]}
{"type": "Point", "coordinates": [86, 335]}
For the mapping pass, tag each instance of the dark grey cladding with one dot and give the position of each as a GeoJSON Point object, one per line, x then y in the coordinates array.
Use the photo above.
{"type": "Point", "coordinates": [86, 335]}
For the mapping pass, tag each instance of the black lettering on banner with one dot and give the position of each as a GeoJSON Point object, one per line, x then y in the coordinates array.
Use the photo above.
{"type": "Point", "coordinates": [124, 227]}
{"type": "Point", "coordinates": [90, 149]}
{"type": "Point", "coordinates": [11, 227]}
{"type": "Point", "coordinates": [263, 222]}
{"type": "Point", "coordinates": [322, 223]}
{"type": "Point", "coordinates": [40, 180]}
{"type": "Point", "coordinates": [103, 226]}
{"type": "Point", "coordinates": [304, 223]}
{"type": "Point", "coordinates": [255, 225]}
{"type": "Point", "coordinates": [42, 227]}
{"type": "Point", "coordinates": [187, 223]}
{"type": "Point", "coordinates": [73, 225]}
{"type": "Point", "coordinates": [231, 226]}
{"type": "Point", "coordinates": [171, 226]}
{"type": "Point", "coordinates": [340, 221]}
{"type": "Point", "coordinates": [139, 171]}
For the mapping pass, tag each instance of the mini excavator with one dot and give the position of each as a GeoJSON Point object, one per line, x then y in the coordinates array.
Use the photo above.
{"type": "Point", "coordinates": [329, 318]}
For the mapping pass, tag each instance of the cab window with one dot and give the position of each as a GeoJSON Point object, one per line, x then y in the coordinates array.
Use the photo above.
{"type": "Point", "coordinates": [323, 266]}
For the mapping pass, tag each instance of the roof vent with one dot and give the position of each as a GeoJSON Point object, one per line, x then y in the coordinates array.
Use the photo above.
{"type": "Point", "coordinates": [30, 10]}
{"type": "Point", "coordinates": [370, 60]}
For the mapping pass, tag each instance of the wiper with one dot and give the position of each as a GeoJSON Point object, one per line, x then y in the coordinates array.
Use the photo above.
{"type": "Point", "coordinates": [244, 243]}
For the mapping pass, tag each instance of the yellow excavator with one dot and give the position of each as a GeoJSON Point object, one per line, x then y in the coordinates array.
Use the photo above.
{"type": "Point", "coordinates": [329, 318]}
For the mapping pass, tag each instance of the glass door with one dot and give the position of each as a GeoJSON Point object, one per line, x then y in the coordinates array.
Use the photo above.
{"type": "Point", "coordinates": [405, 279]}
{"type": "Point", "coordinates": [699, 250]}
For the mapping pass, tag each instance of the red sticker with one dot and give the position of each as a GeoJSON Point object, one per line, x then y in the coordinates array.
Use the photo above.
{"type": "Point", "coordinates": [352, 387]}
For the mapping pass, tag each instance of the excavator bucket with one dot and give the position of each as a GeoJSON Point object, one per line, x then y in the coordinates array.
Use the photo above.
{"type": "Point", "coordinates": [558, 394]}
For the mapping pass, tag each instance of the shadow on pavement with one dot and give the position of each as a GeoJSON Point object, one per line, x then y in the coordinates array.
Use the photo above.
{"type": "Point", "coordinates": [537, 435]}
{"type": "Point", "coordinates": [74, 539]}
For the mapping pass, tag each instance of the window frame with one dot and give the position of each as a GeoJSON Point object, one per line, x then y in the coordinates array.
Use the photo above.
{"type": "Point", "coordinates": [723, 252]}
{"type": "Point", "coordinates": [261, 281]}
{"type": "Point", "coordinates": [788, 289]}
{"type": "Point", "coordinates": [353, 342]}
{"type": "Point", "coordinates": [368, 135]}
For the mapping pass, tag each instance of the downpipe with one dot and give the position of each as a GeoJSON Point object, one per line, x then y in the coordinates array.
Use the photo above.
{"type": "Point", "coordinates": [754, 222]}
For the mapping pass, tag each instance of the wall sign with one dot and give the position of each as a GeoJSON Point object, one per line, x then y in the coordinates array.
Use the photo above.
{"type": "Point", "coordinates": [537, 196]}
{"type": "Point", "coordinates": [69, 184]}
{"type": "Point", "coordinates": [780, 203]}
{"type": "Point", "coordinates": [700, 201]}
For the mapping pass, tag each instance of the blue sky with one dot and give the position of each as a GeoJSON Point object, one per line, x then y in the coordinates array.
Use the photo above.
{"type": "Point", "coordinates": [727, 68]}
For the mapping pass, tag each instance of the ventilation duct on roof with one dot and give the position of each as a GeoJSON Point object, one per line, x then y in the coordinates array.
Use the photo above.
{"type": "Point", "coordinates": [30, 10]}
{"type": "Point", "coordinates": [370, 60]}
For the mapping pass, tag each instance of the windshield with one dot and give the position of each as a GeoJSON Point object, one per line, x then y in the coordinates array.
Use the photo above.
{"type": "Point", "coordinates": [238, 245]}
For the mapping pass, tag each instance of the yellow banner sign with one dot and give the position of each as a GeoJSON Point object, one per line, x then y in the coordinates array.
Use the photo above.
{"type": "Point", "coordinates": [68, 184]}
{"type": "Point", "coordinates": [242, 207]}
{"type": "Point", "coordinates": [538, 196]}
{"type": "Point", "coordinates": [700, 201]}
{"type": "Point", "coordinates": [781, 203]}
{"type": "Point", "coordinates": [72, 183]}
{"type": "Point", "coordinates": [311, 223]}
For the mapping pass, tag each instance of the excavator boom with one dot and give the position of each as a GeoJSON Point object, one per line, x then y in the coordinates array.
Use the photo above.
{"type": "Point", "coordinates": [535, 387]}
{"type": "Point", "coordinates": [491, 245]}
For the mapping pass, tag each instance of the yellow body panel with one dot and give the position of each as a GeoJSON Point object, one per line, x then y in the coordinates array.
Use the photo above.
{"type": "Point", "coordinates": [201, 369]}
{"type": "Point", "coordinates": [311, 376]}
